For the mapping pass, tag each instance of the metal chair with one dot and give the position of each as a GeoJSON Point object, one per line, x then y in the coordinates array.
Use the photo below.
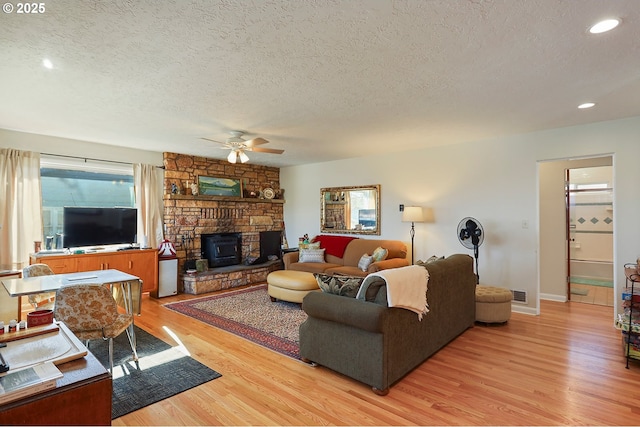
{"type": "Point", "coordinates": [45, 300]}
{"type": "Point", "coordinates": [90, 312]}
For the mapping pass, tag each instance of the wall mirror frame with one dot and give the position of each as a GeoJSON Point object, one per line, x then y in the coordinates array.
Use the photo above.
{"type": "Point", "coordinates": [350, 210]}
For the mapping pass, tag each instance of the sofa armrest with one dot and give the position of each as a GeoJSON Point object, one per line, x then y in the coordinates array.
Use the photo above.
{"type": "Point", "coordinates": [359, 314]}
{"type": "Point", "coordinates": [289, 258]}
{"type": "Point", "coordinates": [387, 264]}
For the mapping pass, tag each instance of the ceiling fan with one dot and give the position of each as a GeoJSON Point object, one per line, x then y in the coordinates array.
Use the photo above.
{"type": "Point", "coordinates": [239, 145]}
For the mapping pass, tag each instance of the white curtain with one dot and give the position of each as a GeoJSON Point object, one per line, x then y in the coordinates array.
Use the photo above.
{"type": "Point", "coordinates": [20, 206]}
{"type": "Point", "coordinates": [148, 183]}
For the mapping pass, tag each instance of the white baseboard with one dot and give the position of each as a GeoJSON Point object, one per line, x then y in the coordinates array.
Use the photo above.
{"type": "Point", "coordinates": [553, 297]}
{"type": "Point", "coordinates": [516, 308]}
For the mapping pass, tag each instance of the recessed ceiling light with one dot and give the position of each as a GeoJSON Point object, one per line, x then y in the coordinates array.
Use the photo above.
{"type": "Point", "coordinates": [586, 105]}
{"type": "Point", "coordinates": [47, 63]}
{"type": "Point", "coordinates": [604, 26]}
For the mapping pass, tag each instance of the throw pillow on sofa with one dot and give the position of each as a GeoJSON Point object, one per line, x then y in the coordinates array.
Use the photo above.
{"type": "Point", "coordinates": [311, 255]}
{"type": "Point", "coordinates": [365, 262]}
{"type": "Point", "coordinates": [346, 286]}
{"type": "Point", "coordinates": [379, 254]}
{"type": "Point", "coordinates": [430, 260]}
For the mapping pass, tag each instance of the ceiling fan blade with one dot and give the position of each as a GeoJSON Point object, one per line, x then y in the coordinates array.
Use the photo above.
{"type": "Point", "coordinates": [255, 141]}
{"type": "Point", "coordinates": [266, 150]}
{"type": "Point", "coordinates": [213, 140]}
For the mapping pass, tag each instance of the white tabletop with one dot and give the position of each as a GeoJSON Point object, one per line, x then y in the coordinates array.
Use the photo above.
{"type": "Point", "coordinates": [39, 284]}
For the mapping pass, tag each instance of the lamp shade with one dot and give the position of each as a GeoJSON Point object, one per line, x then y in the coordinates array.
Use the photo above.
{"type": "Point", "coordinates": [243, 157]}
{"type": "Point", "coordinates": [232, 156]}
{"type": "Point", "coordinates": [412, 214]}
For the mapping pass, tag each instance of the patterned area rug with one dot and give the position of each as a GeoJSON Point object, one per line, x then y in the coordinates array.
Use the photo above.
{"type": "Point", "coordinates": [250, 314]}
{"type": "Point", "coordinates": [161, 371]}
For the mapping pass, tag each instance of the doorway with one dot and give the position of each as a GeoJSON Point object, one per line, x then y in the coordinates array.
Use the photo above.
{"type": "Point", "coordinates": [553, 233]}
{"type": "Point", "coordinates": [589, 231]}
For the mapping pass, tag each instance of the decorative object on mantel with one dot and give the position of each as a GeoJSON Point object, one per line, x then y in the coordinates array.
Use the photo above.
{"type": "Point", "coordinates": [218, 186]}
{"type": "Point", "coordinates": [239, 145]}
{"type": "Point", "coordinates": [174, 188]}
{"type": "Point", "coordinates": [194, 188]}
{"type": "Point", "coordinates": [268, 193]}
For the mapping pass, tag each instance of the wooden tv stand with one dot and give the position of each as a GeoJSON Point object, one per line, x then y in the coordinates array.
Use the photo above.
{"type": "Point", "coordinates": [142, 263]}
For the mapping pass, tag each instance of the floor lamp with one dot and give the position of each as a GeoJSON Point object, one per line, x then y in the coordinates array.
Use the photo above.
{"type": "Point", "coordinates": [412, 214]}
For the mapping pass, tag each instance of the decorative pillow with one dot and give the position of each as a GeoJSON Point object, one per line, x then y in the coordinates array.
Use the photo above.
{"type": "Point", "coordinates": [379, 254]}
{"type": "Point", "coordinates": [346, 286]}
{"type": "Point", "coordinates": [431, 259]}
{"type": "Point", "coordinates": [313, 245]}
{"type": "Point", "coordinates": [311, 255]}
{"type": "Point", "coordinates": [365, 262]}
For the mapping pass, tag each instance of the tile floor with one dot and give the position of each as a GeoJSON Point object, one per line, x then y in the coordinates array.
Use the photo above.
{"type": "Point", "coordinates": [598, 295]}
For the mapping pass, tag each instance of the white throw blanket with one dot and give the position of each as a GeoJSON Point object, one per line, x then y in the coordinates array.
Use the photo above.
{"type": "Point", "coordinates": [406, 288]}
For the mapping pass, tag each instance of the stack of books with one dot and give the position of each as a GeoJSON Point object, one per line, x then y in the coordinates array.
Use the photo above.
{"type": "Point", "coordinates": [19, 383]}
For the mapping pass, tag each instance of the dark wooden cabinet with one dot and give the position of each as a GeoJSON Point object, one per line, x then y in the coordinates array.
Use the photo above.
{"type": "Point", "coordinates": [81, 397]}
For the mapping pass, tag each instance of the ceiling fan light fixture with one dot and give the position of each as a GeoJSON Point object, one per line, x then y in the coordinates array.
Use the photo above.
{"type": "Point", "coordinates": [232, 157]}
{"type": "Point", "coordinates": [243, 157]}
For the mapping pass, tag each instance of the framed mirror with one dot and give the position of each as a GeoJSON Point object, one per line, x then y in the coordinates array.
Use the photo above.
{"type": "Point", "coordinates": [350, 210]}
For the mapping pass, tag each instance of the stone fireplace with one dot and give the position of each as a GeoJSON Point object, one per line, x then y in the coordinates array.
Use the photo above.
{"type": "Point", "coordinates": [188, 217]}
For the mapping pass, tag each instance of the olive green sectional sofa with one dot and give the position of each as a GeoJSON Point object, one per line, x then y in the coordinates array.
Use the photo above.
{"type": "Point", "coordinates": [378, 345]}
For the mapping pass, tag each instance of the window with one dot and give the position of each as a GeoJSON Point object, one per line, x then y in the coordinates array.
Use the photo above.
{"type": "Point", "coordinates": [75, 182]}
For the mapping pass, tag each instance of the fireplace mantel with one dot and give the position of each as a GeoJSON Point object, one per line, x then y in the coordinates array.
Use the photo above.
{"type": "Point", "coordinates": [221, 198]}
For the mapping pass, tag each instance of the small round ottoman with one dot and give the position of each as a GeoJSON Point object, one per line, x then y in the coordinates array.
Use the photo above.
{"type": "Point", "coordinates": [493, 304]}
{"type": "Point", "coordinates": [290, 285]}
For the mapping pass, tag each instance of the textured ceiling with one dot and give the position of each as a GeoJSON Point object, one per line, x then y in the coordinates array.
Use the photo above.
{"type": "Point", "coordinates": [322, 80]}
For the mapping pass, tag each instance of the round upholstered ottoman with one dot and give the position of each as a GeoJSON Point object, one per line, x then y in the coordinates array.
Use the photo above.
{"type": "Point", "coordinates": [493, 304]}
{"type": "Point", "coordinates": [290, 285]}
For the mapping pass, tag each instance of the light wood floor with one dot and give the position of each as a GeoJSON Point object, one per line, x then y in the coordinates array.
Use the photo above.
{"type": "Point", "coordinates": [564, 367]}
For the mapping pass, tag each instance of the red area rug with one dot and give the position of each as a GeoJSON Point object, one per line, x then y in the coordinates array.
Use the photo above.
{"type": "Point", "coordinates": [250, 314]}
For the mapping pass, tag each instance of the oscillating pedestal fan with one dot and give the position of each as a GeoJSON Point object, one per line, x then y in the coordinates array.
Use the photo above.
{"type": "Point", "coordinates": [471, 235]}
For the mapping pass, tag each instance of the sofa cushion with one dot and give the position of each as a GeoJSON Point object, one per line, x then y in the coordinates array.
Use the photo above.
{"type": "Point", "coordinates": [356, 248]}
{"type": "Point", "coordinates": [347, 286]}
{"type": "Point", "coordinates": [431, 259]}
{"type": "Point", "coordinates": [380, 254]}
{"type": "Point", "coordinates": [312, 267]}
{"type": "Point", "coordinates": [345, 270]}
{"type": "Point", "coordinates": [311, 255]}
{"type": "Point", "coordinates": [365, 262]}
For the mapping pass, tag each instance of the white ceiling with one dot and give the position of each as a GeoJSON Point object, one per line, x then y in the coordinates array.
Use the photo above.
{"type": "Point", "coordinates": [322, 80]}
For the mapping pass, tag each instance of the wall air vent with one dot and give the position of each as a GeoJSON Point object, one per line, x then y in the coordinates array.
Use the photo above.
{"type": "Point", "coordinates": [519, 296]}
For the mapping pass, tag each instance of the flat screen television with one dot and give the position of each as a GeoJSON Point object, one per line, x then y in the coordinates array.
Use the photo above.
{"type": "Point", "coordinates": [83, 226]}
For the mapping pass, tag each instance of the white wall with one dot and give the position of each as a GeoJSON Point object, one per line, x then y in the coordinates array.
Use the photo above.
{"type": "Point", "coordinates": [72, 147]}
{"type": "Point", "coordinates": [495, 181]}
